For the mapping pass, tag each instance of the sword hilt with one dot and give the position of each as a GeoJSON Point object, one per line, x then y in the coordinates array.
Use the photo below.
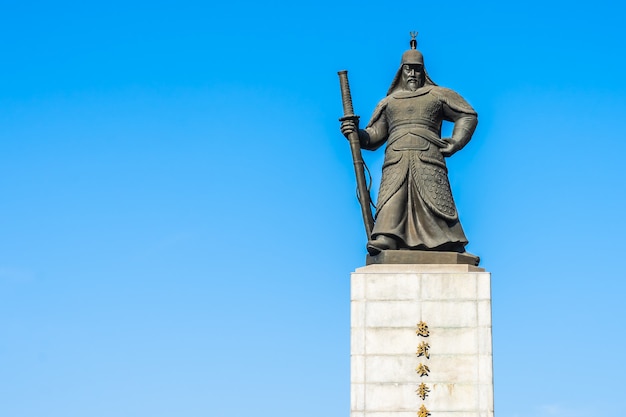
{"type": "Point", "coordinates": [346, 97]}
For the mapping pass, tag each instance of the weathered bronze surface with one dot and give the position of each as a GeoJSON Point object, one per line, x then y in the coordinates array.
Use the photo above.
{"type": "Point", "coordinates": [421, 257]}
{"type": "Point", "coordinates": [363, 192]}
{"type": "Point", "coordinates": [415, 210]}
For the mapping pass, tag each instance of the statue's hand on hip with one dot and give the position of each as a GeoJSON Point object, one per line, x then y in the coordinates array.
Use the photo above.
{"type": "Point", "coordinates": [449, 149]}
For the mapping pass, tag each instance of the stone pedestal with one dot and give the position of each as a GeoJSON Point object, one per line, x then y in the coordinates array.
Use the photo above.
{"type": "Point", "coordinates": [421, 341]}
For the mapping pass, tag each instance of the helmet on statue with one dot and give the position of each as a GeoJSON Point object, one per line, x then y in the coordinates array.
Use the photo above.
{"type": "Point", "coordinates": [410, 57]}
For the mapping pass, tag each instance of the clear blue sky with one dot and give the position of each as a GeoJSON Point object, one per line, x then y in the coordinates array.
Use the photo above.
{"type": "Point", "coordinates": [178, 221]}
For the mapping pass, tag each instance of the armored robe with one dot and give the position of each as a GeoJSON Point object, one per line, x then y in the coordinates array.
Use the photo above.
{"type": "Point", "coordinates": [415, 205]}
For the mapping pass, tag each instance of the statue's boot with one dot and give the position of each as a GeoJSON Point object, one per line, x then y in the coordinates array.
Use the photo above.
{"type": "Point", "coordinates": [380, 243]}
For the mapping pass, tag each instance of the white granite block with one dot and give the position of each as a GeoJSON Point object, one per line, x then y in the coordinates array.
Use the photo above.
{"type": "Point", "coordinates": [448, 313]}
{"type": "Point", "coordinates": [390, 341]}
{"type": "Point", "coordinates": [391, 368]}
{"type": "Point", "coordinates": [448, 287]}
{"type": "Point", "coordinates": [392, 314]}
{"type": "Point", "coordinates": [484, 340]}
{"type": "Point", "coordinates": [452, 368]}
{"type": "Point", "coordinates": [357, 397]}
{"type": "Point", "coordinates": [391, 397]}
{"type": "Point", "coordinates": [392, 287]}
{"type": "Point", "coordinates": [357, 341]}
{"type": "Point", "coordinates": [357, 287]}
{"type": "Point", "coordinates": [387, 303]}
{"type": "Point", "coordinates": [483, 286]}
{"type": "Point", "coordinates": [453, 341]}
{"type": "Point", "coordinates": [393, 413]}
{"type": "Point", "coordinates": [357, 314]}
{"type": "Point", "coordinates": [484, 313]}
{"type": "Point", "coordinates": [452, 397]}
{"type": "Point", "coordinates": [485, 397]}
{"type": "Point", "coordinates": [485, 369]}
{"type": "Point", "coordinates": [357, 368]}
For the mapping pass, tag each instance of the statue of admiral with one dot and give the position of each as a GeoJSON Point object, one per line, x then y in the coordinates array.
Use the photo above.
{"type": "Point", "coordinates": [415, 209]}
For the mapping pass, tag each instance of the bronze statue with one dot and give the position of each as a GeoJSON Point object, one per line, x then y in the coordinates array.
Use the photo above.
{"type": "Point", "coordinates": [415, 209]}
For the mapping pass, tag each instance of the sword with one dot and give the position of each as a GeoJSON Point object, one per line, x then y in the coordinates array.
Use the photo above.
{"type": "Point", "coordinates": [363, 193]}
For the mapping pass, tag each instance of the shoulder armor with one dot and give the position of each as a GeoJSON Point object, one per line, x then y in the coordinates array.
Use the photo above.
{"type": "Point", "coordinates": [453, 99]}
{"type": "Point", "coordinates": [378, 111]}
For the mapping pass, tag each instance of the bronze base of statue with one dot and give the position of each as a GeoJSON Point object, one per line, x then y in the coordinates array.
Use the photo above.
{"type": "Point", "coordinates": [422, 257]}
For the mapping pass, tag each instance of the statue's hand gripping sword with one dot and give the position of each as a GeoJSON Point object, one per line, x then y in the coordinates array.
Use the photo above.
{"type": "Point", "coordinates": [363, 193]}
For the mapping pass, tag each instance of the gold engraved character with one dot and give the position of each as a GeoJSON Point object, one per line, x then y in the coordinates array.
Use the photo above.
{"type": "Point", "coordinates": [422, 329]}
{"type": "Point", "coordinates": [422, 370]}
{"type": "Point", "coordinates": [423, 412]}
{"type": "Point", "coordinates": [422, 391]}
{"type": "Point", "coordinates": [422, 350]}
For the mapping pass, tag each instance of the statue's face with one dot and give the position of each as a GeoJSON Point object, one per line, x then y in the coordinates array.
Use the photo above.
{"type": "Point", "coordinates": [412, 76]}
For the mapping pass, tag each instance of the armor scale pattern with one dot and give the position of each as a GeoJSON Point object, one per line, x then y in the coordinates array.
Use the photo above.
{"type": "Point", "coordinates": [394, 177]}
{"type": "Point", "coordinates": [434, 187]}
{"type": "Point", "coordinates": [431, 178]}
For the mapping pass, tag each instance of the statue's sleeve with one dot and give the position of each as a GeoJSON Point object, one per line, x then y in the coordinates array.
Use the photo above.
{"type": "Point", "coordinates": [458, 111]}
{"type": "Point", "coordinates": [377, 130]}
